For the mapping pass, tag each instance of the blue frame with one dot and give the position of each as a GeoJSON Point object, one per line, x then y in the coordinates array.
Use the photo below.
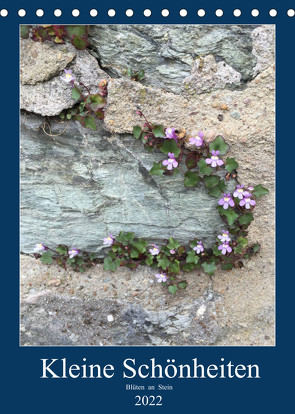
{"type": "Point", "coordinates": [21, 367]}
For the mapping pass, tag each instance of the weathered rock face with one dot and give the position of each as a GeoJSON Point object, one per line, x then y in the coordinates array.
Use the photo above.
{"type": "Point", "coordinates": [82, 180]}
{"type": "Point", "coordinates": [42, 91]}
{"type": "Point", "coordinates": [78, 185]}
{"type": "Point", "coordinates": [124, 308]}
{"type": "Point", "coordinates": [167, 53]}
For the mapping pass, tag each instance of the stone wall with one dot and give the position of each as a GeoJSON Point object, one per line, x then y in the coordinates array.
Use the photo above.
{"type": "Point", "coordinates": [77, 185]}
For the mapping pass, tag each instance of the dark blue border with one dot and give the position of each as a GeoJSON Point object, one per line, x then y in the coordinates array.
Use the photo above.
{"type": "Point", "coordinates": [21, 368]}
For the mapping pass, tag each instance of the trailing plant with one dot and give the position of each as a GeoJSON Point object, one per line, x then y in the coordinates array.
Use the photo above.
{"type": "Point", "coordinates": [135, 75]}
{"type": "Point", "coordinates": [77, 34]}
{"type": "Point", "coordinates": [89, 106]}
{"type": "Point", "coordinates": [200, 163]}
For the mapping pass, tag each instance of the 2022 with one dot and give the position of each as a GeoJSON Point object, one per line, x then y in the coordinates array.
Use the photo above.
{"type": "Point", "coordinates": [148, 400]}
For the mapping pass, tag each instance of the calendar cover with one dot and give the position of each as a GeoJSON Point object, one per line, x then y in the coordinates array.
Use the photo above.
{"type": "Point", "coordinates": [143, 151]}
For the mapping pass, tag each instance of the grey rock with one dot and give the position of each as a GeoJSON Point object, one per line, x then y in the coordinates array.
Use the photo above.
{"type": "Point", "coordinates": [207, 75]}
{"type": "Point", "coordinates": [51, 97]}
{"type": "Point", "coordinates": [80, 185]}
{"type": "Point", "coordinates": [39, 62]}
{"type": "Point", "coordinates": [62, 320]}
{"type": "Point", "coordinates": [167, 53]}
{"type": "Point", "coordinates": [263, 47]}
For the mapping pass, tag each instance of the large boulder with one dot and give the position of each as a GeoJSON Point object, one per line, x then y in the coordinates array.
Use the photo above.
{"type": "Point", "coordinates": [80, 185]}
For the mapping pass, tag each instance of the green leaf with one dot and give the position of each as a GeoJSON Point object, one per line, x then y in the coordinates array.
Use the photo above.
{"type": "Point", "coordinates": [219, 145]}
{"type": "Point", "coordinates": [227, 266]}
{"type": "Point", "coordinates": [61, 249]}
{"type": "Point", "coordinates": [158, 131]}
{"type": "Point", "coordinates": [137, 132]}
{"type": "Point", "coordinates": [112, 255]}
{"type": "Point", "coordinates": [134, 254]}
{"type": "Point", "coordinates": [181, 250]}
{"type": "Point", "coordinates": [192, 257]}
{"type": "Point", "coordinates": [76, 95]}
{"type": "Point", "coordinates": [191, 161]}
{"type": "Point", "coordinates": [215, 191]}
{"type": "Point", "coordinates": [97, 102]}
{"type": "Point", "coordinates": [140, 74]}
{"type": "Point", "coordinates": [80, 42]}
{"type": "Point", "coordinates": [231, 165]}
{"type": "Point", "coordinates": [204, 169]}
{"type": "Point", "coordinates": [222, 186]}
{"type": "Point", "coordinates": [92, 256]}
{"type": "Point", "coordinates": [76, 30]}
{"type": "Point", "coordinates": [140, 245]}
{"type": "Point", "coordinates": [109, 264]}
{"type": "Point", "coordinates": [71, 261]}
{"type": "Point", "coordinates": [246, 219]}
{"type": "Point", "coordinates": [230, 215]}
{"type": "Point", "coordinates": [157, 169]}
{"type": "Point", "coordinates": [173, 244]}
{"type": "Point", "coordinates": [174, 267]}
{"type": "Point", "coordinates": [191, 179]}
{"type": "Point", "coordinates": [188, 267]}
{"type": "Point", "coordinates": [40, 34]}
{"type": "Point", "coordinates": [46, 258]}
{"type": "Point", "coordinates": [163, 261]}
{"type": "Point", "coordinates": [182, 284]}
{"type": "Point", "coordinates": [211, 181]}
{"type": "Point", "coordinates": [256, 248]}
{"type": "Point", "coordinates": [150, 259]}
{"type": "Point", "coordinates": [90, 123]}
{"type": "Point", "coordinates": [170, 145]}
{"type": "Point", "coordinates": [209, 268]}
{"type": "Point", "coordinates": [125, 238]}
{"type": "Point", "coordinates": [259, 191]}
{"type": "Point", "coordinates": [242, 242]}
{"type": "Point", "coordinates": [173, 289]}
{"type": "Point", "coordinates": [79, 260]}
{"type": "Point", "coordinates": [99, 114]}
{"type": "Point", "coordinates": [24, 31]}
{"type": "Point", "coordinates": [216, 251]}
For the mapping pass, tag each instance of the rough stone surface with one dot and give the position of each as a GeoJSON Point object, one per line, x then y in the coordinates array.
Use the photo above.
{"type": "Point", "coordinates": [40, 62]}
{"type": "Point", "coordinates": [167, 53]}
{"type": "Point", "coordinates": [92, 180]}
{"type": "Point", "coordinates": [79, 185]}
{"type": "Point", "coordinates": [61, 307]}
{"type": "Point", "coordinates": [52, 96]}
{"type": "Point", "coordinates": [263, 47]}
{"type": "Point", "coordinates": [208, 75]}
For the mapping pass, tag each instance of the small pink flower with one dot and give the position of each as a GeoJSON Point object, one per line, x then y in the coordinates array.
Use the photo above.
{"type": "Point", "coordinates": [40, 247]}
{"type": "Point", "coordinates": [226, 201]}
{"type": "Point", "coordinates": [170, 134]}
{"type": "Point", "coordinates": [197, 141]}
{"type": "Point", "coordinates": [162, 277]}
{"type": "Point", "coordinates": [199, 248]}
{"type": "Point", "coordinates": [247, 201]}
{"type": "Point", "coordinates": [154, 250]}
{"type": "Point", "coordinates": [171, 162]}
{"type": "Point", "coordinates": [108, 241]}
{"type": "Point", "coordinates": [69, 77]}
{"type": "Point", "coordinates": [73, 252]}
{"type": "Point", "coordinates": [214, 160]}
{"type": "Point", "coordinates": [225, 247]}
